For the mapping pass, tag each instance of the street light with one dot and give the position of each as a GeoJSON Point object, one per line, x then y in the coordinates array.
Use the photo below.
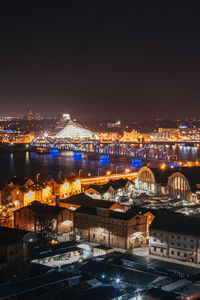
{"type": "Point", "coordinates": [127, 171]}
{"type": "Point", "coordinates": [117, 280]}
{"type": "Point", "coordinates": [117, 167]}
{"type": "Point", "coordinates": [98, 171]}
{"type": "Point", "coordinates": [37, 177]}
{"type": "Point", "coordinates": [108, 173]}
{"type": "Point", "coordinates": [79, 173]}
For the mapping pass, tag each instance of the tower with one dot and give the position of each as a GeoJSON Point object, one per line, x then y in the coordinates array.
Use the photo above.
{"type": "Point", "coordinates": [29, 115]}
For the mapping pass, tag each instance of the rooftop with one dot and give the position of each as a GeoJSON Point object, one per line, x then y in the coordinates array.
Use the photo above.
{"type": "Point", "coordinates": [44, 209]}
{"type": "Point", "coordinates": [84, 200]}
{"type": "Point", "coordinates": [176, 223]}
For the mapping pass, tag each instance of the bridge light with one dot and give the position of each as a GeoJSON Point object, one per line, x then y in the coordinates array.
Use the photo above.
{"type": "Point", "coordinates": [127, 171]}
{"type": "Point", "coordinates": [108, 173]}
{"type": "Point", "coordinates": [163, 166]}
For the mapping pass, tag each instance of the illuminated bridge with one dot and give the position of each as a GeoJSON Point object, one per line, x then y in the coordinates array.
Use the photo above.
{"type": "Point", "coordinates": [110, 149]}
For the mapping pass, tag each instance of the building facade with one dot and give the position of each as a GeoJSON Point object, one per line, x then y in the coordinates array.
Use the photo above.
{"type": "Point", "coordinates": [180, 183]}
{"type": "Point", "coordinates": [111, 227]}
{"type": "Point", "coordinates": [32, 217]}
{"type": "Point", "coordinates": [173, 235]}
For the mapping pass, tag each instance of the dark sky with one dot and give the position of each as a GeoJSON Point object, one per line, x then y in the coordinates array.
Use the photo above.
{"type": "Point", "coordinates": [100, 59]}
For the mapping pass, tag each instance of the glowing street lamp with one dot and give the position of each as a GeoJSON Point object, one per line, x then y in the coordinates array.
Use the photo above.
{"type": "Point", "coordinates": [117, 280]}
{"type": "Point", "coordinates": [108, 173]}
{"type": "Point", "coordinates": [79, 173]}
{"type": "Point", "coordinates": [127, 171]}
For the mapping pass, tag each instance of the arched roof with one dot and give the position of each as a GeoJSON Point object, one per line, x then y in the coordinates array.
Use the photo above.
{"type": "Point", "coordinates": [143, 170]}
{"type": "Point", "coordinates": [191, 174]}
{"type": "Point", "coordinates": [178, 174]}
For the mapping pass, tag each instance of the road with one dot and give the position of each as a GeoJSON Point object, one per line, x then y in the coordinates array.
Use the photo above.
{"type": "Point", "coordinates": [106, 178]}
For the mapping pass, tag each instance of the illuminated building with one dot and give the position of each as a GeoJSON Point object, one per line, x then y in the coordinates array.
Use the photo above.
{"type": "Point", "coordinates": [181, 183]}
{"type": "Point", "coordinates": [173, 235]}
{"type": "Point", "coordinates": [73, 130]}
{"type": "Point", "coordinates": [182, 133]}
{"type": "Point", "coordinates": [38, 117]}
{"type": "Point", "coordinates": [28, 217]}
{"type": "Point", "coordinates": [109, 190]}
{"type": "Point", "coordinates": [114, 125]}
{"type": "Point", "coordinates": [131, 136]}
{"type": "Point", "coordinates": [28, 196]}
{"type": "Point", "coordinates": [60, 253]}
{"type": "Point", "coordinates": [110, 225]}
{"type": "Point", "coordinates": [102, 250]}
{"type": "Point", "coordinates": [108, 136]}
{"type": "Point", "coordinates": [30, 116]}
{"type": "Point", "coordinates": [64, 187]}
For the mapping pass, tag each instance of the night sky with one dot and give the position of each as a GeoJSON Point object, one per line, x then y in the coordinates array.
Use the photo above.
{"type": "Point", "coordinates": [100, 59]}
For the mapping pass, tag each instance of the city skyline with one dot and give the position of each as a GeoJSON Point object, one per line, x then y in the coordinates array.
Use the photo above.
{"type": "Point", "coordinates": [127, 61]}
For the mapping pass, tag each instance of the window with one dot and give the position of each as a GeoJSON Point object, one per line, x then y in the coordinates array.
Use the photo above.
{"type": "Point", "coordinates": [161, 234]}
{"type": "Point", "coordinates": [178, 237]}
{"type": "Point", "coordinates": [154, 249]}
{"type": "Point", "coordinates": [184, 238]}
{"type": "Point", "coordinates": [178, 244]}
{"type": "Point", "coordinates": [192, 241]}
{"type": "Point", "coordinates": [161, 250]}
{"type": "Point", "coordinates": [154, 233]}
{"type": "Point", "coordinates": [192, 247]}
{"type": "Point", "coordinates": [172, 252]}
{"type": "Point", "coordinates": [161, 241]}
{"type": "Point", "coordinates": [172, 243]}
{"type": "Point", "coordinates": [154, 240]}
{"type": "Point", "coordinates": [93, 235]}
{"type": "Point", "coordinates": [178, 253]}
{"type": "Point", "coordinates": [172, 236]}
{"type": "Point", "coordinates": [185, 254]}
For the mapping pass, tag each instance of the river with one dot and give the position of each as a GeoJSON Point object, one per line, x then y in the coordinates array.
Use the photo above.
{"type": "Point", "coordinates": [28, 164]}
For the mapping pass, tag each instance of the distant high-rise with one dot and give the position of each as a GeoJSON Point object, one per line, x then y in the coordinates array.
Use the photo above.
{"type": "Point", "coordinates": [30, 115]}
{"type": "Point", "coordinates": [38, 116]}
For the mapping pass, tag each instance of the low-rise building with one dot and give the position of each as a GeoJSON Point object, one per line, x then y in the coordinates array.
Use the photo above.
{"type": "Point", "coordinates": [82, 199]}
{"type": "Point", "coordinates": [14, 244]}
{"type": "Point", "coordinates": [109, 226]}
{"type": "Point", "coordinates": [63, 187]}
{"type": "Point", "coordinates": [58, 254]}
{"type": "Point", "coordinates": [175, 236]}
{"type": "Point", "coordinates": [102, 250]}
{"type": "Point", "coordinates": [181, 183]}
{"type": "Point", "coordinates": [109, 190]}
{"type": "Point", "coordinates": [32, 216]}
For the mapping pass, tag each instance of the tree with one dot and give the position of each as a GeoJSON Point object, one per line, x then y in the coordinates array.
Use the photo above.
{"type": "Point", "coordinates": [46, 226]}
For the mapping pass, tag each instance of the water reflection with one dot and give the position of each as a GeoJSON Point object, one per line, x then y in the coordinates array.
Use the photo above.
{"type": "Point", "coordinates": [29, 164]}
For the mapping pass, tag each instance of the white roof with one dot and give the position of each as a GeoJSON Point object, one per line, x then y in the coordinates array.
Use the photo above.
{"type": "Point", "coordinates": [73, 130]}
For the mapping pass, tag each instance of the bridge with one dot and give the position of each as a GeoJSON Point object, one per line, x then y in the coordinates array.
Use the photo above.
{"type": "Point", "coordinates": [108, 149]}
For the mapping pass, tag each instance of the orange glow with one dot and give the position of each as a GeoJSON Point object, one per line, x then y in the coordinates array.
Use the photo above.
{"type": "Point", "coordinates": [29, 197]}
{"type": "Point", "coordinates": [163, 166]}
